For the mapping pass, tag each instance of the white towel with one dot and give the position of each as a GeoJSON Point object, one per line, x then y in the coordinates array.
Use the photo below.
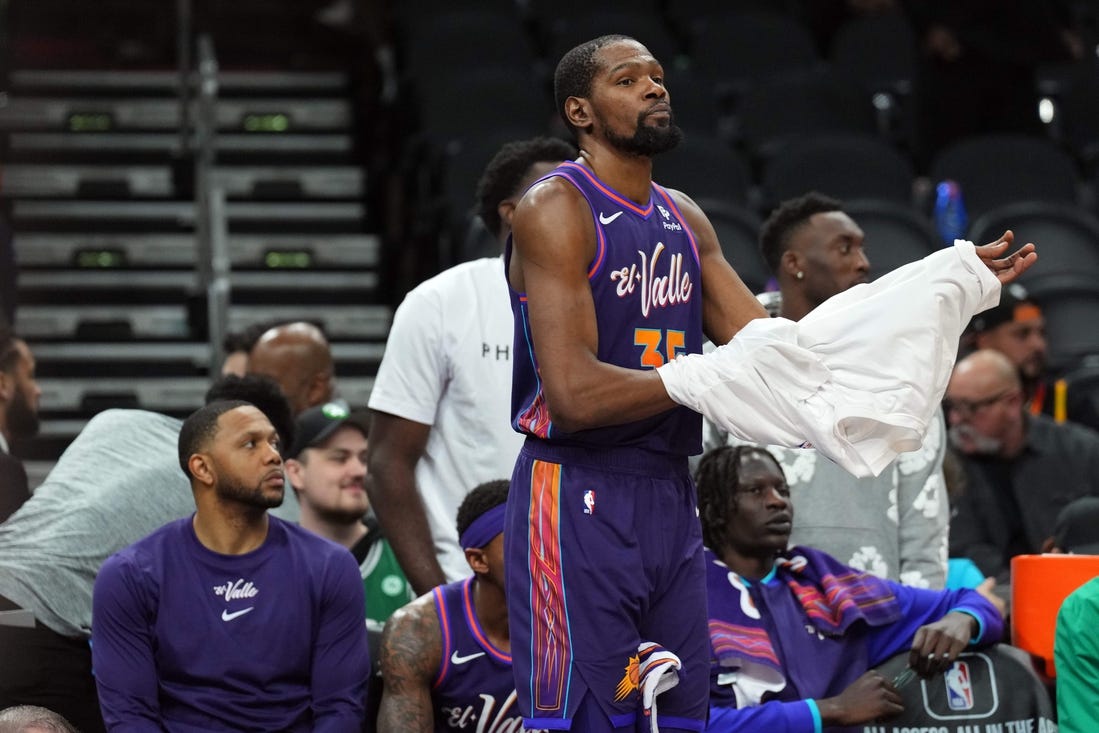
{"type": "Point", "coordinates": [858, 378]}
{"type": "Point", "coordinates": [658, 672]}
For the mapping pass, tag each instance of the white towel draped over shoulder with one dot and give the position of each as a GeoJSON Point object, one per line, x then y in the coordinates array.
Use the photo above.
{"type": "Point", "coordinates": [858, 378]}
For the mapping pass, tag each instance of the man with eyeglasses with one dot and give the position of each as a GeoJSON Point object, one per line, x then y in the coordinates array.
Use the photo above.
{"type": "Point", "coordinates": [1020, 469]}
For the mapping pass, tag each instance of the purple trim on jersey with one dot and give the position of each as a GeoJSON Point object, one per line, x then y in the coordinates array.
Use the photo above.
{"type": "Point", "coordinates": [475, 623]}
{"type": "Point", "coordinates": [644, 212]}
{"type": "Point", "coordinates": [444, 627]}
{"type": "Point", "coordinates": [534, 419]}
{"type": "Point", "coordinates": [600, 236]}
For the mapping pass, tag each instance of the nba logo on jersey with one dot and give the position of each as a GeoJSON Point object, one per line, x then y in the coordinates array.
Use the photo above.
{"type": "Point", "coordinates": [959, 690]}
{"type": "Point", "coordinates": [589, 501]}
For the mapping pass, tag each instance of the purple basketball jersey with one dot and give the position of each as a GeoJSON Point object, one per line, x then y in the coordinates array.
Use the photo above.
{"type": "Point", "coordinates": [646, 284]}
{"type": "Point", "coordinates": [475, 689]}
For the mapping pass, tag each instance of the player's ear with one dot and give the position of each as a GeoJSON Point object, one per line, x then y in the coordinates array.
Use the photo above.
{"type": "Point", "coordinates": [202, 469]}
{"type": "Point", "coordinates": [475, 557]}
{"type": "Point", "coordinates": [578, 112]}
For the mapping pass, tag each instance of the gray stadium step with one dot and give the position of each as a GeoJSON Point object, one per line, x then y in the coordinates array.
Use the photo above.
{"type": "Point", "coordinates": [24, 145]}
{"type": "Point", "coordinates": [340, 322]}
{"type": "Point", "coordinates": [169, 395]}
{"type": "Point", "coordinates": [197, 354]}
{"type": "Point", "coordinates": [345, 251]}
{"type": "Point", "coordinates": [147, 181]}
{"type": "Point", "coordinates": [166, 82]}
{"type": "Point", "coordinates": [274, 281]}
{"type": "Point", "coordinates": [181, 214]}
{"type": "Point", "coordinates": [58, 180]}
{"type": "Point", "coordinates": [93, 114]}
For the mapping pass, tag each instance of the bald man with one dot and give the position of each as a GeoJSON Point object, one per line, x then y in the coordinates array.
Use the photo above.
{"type": "Point", "coordinates": [1021, 469]}
{"type": "Point", "coordinates": [297, 356]}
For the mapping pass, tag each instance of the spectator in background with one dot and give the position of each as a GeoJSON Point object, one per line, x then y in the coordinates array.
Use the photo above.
{"type": "Point", "coordinates": [297, 356]}
{"type": "Point", "coordinates": [441, 402]}
{"type": "Point", "coordinates": [230, 619]}
{"type": "Point", "coordinates": [1017, 329]}
{"type": "Point", "coordinates": [446, 656]}
{"type": "Point", "coordinates": [118, 481]}
{"type": "Point", "coordinates": [326, 466]}
{"type": "Point", "coordinates": [1021, 469]}
{"type": "Point", "coordinates": [893, 525]}
{"type": "Point", "coordinates": [768, 673]}
{"type": "Point", "coordinates": [238, 345]}
{"type": "Point", "coordinates": [33, 719]}
{"type": "Point", "coordinates": [19, 393]}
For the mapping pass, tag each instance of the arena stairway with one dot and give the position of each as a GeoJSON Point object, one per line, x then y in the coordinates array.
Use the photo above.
{"type": "Point", "coordinates": [98, 188]}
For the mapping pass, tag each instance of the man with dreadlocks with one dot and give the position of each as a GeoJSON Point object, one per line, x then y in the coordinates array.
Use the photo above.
{"type": "Point", "coordinates": [793, 632]}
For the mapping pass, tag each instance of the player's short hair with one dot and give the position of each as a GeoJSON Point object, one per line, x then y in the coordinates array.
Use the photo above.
{"type": "Point", "coordinates": [200, 428]}
{"type": "Point", "coordinates": [262, 392]}
{"type": "Point", "coordinates": [717, 479]}
{"type": "Point", "coordinates": [486, 496]}
{"type": "Point", "coordinates": [774, 235]}
{"type": "Point", "coordinates": [576, 69]}
{"type": "Point", "coordinates": [507, 169]}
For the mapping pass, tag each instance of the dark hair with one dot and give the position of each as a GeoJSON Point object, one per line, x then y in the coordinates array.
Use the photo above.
{"type": "Point", "coordinates": [480, 500]}
{"type": "Point", "coordinates": [717, 479]}
{"type": "Point", "coordinates": [575, 72]}
{"type": "Point", "coordinates": [774, 236]}
{"type": "Point", "coordinates": [246, 338]}
{"type": "Point", "coordinates": [201, 427]}
{"type": "Point", "coordinates": [261, 391]}
{"type": "Point", "coordinates": [9, 347]}
{"type": "Point", "coordinates": [507, 169]}
{"type": "Point", "coordinates": [33, 717]}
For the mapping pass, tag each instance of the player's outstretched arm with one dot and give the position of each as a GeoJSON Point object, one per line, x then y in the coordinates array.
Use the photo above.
{"type": "Point", "coordinates": [411, 651]}
{"type": "Point", "coordinates": [1007, 268]}
{"type": "Point", "coordinates": [554, 245]}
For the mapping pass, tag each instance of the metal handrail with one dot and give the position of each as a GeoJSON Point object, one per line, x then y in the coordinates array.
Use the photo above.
{"type": "Point", "coordinates": [211, 226]}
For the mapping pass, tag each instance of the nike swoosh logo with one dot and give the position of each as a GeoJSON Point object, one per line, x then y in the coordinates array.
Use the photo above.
{"type": "Point", "coordinates": [455, 658]}
{"type": "Point", "coordinates": [226, 616]}
{"type": "Point", "coordinates": [608, 219]}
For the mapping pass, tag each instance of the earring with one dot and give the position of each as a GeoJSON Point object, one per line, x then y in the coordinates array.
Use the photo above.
{"type": "Point", "coordinates": [800, 275]}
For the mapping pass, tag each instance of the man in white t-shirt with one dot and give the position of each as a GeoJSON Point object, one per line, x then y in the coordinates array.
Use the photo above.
{"type": "Point", "coordinates": [441, 402]}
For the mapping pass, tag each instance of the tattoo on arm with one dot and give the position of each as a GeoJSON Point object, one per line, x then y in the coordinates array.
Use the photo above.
{"type": "Point", "coordinates": [411, 649]}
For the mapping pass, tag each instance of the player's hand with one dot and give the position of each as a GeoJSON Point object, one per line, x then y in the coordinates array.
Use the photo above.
{"type": "Point", "coordinates": [1007, 268]}
{"type": "Point", "coordinates": [868, 698]}
{"type": "Point", "coordinates": [935, 646]}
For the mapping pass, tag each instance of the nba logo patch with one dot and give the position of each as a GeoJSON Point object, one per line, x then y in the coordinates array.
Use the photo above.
{"type": "Point", "coordinates": [959, 687]}
{"type": "Point", "coordinates": [589, 501]}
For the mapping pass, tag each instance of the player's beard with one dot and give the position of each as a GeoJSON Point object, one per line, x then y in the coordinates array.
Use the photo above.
{"type": "Point", "coordinates": [647, 140]}
{"type": "Point", "coordinates": [22, 417]}
{"type": "Point", "coordinates": [253, 496]}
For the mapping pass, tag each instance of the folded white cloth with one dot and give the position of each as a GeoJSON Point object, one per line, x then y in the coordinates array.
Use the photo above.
{"type": "Point", "coordinates": [858, 378]}
{"type": "Point", "coordinates": [658, 672]}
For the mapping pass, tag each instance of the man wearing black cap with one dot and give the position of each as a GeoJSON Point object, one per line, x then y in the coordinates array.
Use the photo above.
{"type": "Point", "coordinates": [326, 465]}
{"type": "Point", "coordinates": [1017, 330]}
